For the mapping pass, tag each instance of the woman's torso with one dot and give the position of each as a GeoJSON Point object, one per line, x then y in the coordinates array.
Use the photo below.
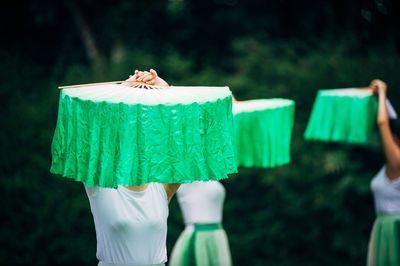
{"type": "Point", "coordinates": [131, 227]}
{"type": "Point", "coordinates": [386, 193]}
{"type": "Point", "coordinates": [201, 202]}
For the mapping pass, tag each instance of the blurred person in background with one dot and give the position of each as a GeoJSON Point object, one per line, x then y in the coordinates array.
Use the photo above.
{"type": "Point", "coordinates": [204, 241]}
{"type": "Point", "coordinates": [384, 244]}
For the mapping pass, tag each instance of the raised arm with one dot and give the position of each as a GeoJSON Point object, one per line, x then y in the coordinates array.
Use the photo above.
{"type": "Point", "coordinates": [389, 141]}
{"type": "Point", "coordinates": [233, 98]}
{"type": "Point", "coordinates": [151, 77]}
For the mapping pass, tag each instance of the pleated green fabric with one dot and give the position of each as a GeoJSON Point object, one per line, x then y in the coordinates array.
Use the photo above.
{"type": "Point", "coordinates": [110, 143]}
{"type": "Point", "coordinates": [384, 244]}
{"type": "Point", "coordinates": [342, 115]}
{"type": "Point", "coordinates": [262, 132]}
{"type": "Point", "coordinates": [201, 247]}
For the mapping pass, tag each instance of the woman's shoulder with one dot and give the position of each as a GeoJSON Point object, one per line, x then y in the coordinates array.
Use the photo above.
{"type": "Point", "coordinates": [392, 175]}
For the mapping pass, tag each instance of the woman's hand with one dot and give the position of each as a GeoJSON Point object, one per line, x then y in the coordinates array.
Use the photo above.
{"type": "Point", "coordinates": [150, 78]}
{"type": "Point", "coordinates": [378, 86]}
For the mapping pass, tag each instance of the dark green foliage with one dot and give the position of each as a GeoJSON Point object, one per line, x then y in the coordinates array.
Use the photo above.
{"type": "Point", "coordinates": [317, 210]}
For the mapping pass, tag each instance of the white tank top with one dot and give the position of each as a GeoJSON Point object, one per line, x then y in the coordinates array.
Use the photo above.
{"type": "Point", "coordinates": [201, 202]}
{"type": "Point", "coordinates": [131, 227]}
{"type": "Point", "coordinates": [386, 193]}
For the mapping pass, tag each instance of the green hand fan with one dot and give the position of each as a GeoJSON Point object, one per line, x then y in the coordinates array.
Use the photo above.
{"type": "Point", "coordinates": [263, 130]}
{"type": "Point", "coordinates": [343, 115]}
{"type": "Point", "coordinates": [111, 134]}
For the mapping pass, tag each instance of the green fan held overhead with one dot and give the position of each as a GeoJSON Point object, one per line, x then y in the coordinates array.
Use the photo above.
{"type": "Point", "coordinates": [263, 130]}
{"type": "Point", "coordinates": [130, 133]}
{"type": "Point", "coordinates": [343, 115]}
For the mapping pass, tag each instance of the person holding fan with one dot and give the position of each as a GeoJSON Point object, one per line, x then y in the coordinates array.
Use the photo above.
{"type": "Point", "coordinates": [384, 244]}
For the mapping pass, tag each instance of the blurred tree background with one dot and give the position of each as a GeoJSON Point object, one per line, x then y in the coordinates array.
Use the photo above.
{"type": "Point", "coordinates": [317, 210]}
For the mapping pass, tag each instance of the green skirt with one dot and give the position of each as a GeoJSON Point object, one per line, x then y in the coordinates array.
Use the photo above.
{"type": "Point", "coordinates": [114, 135]}
{"type": "Point", "coordinates": [342, 115]}
{"type": "Point", "coordinates": [202, 245]}
{"type": "Point", "coordinates": [384, 244]}
{"type": "Point", "coordinates": [262, 132]}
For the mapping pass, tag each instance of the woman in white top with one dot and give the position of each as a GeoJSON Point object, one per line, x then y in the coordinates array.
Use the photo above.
{"type": "Point", "coordinates": [204, 241]}
{"type": "Point", "coordinates": [131, 222]}
{"type": "Point", "coordinates": [384, 246]}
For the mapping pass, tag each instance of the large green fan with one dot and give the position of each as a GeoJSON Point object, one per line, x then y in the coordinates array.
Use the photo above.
{"type": "Point", "coordinates": [263, 130]}
{"type": "Point", "coordinates": [342, 115]}
{"type": "Point", "coordinates": [109, 135]}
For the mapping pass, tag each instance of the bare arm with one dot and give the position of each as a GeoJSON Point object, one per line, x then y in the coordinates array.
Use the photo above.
{"type": "Point", "coordinates": [391, 148]}
{"type": "Point", "coordinates": [171, 189]}
{"type": "Point", "coordinates": [152, 78]}
{"type": "Point", "coordinates": [233, 98]}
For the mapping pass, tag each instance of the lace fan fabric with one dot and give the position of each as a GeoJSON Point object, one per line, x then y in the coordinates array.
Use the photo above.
{"type": "Point", "coordinates": [342, 115]}
{"type": "Point", "coordinates": [263, 130]}
{"type": "Point", "coordinates": [112, 135]}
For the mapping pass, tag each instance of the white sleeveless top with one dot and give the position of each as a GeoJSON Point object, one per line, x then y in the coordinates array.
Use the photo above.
{"type": "Point", "coordinates": [131, 227]}
{"type": "Point", "coordinates": [201, 202]}
{"type": "Point", "coordinates": [386, 193]}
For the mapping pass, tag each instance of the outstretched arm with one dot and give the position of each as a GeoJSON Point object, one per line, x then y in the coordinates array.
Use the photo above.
{"type": "Point", "coordinates": [391, 148]}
